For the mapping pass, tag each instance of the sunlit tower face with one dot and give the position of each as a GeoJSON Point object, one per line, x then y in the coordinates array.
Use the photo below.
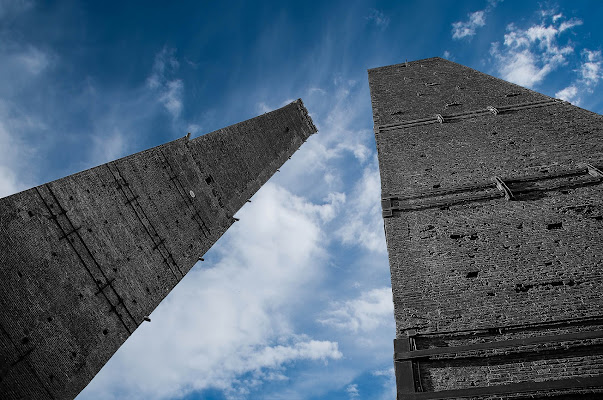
{"type": "Point", "coordinates": [491, 197]}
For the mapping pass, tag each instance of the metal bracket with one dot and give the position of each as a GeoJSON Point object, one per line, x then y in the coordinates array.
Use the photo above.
{"type": "Point", "coordinates": [493, 110]}
{"type": "Point", "coordinates": [593, 171]}
{"type": "Point", "coordinates": [512, 343]}
{"type": "Point", "coordinates": [408, 380]}
{"type": "Point", "coordinates": [502, 186]}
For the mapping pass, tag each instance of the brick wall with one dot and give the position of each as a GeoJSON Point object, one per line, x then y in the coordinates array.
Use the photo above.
{"type": "Point", "coordinates": [462, 258]}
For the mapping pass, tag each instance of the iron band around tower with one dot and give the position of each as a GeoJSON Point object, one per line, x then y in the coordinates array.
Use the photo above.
{"type": "Point", "coordinates": [489, 110]}
{"type": "Point", "coordinates": [511, 188]}
{"type": "Point", "coordinates": [410, 352]}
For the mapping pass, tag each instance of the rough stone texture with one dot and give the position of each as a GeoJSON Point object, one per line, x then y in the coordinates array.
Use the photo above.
{"type": "Point", "coordinates": [469, 267]}
{"type": "Point", "coordinates": [84, 259]}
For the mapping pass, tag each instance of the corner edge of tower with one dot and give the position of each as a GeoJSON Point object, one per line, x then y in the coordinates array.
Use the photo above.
{"type": "Point", "coordinates": [305, 116]}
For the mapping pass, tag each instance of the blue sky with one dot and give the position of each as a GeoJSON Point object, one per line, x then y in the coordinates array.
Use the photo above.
{"type": "Point", "coordinates": [294, 302]}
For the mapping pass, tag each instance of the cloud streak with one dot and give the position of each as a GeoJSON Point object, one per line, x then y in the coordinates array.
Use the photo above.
{"type": "Point", "coordinates": [169, 89]}
{"type": "Point", "coordinates": [463, 29]}
{"type": "Point", "coordinates": [378, 18]}
{"type": "Point", "coordinates": [475, 20]}
{"type": "Point", "coordinates": [363, 224]}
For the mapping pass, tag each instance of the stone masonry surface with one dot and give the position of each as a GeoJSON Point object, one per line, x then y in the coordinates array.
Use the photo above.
{"type": "Point", "coordinates": [86, 258]}
{"type": "Point", "coordinates": [469, 267]}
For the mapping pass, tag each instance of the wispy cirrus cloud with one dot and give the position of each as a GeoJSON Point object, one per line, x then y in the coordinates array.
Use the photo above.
{"type": "Point", "coordinates": [15, 152]}
{"type": "Point", "coordinates": [378, 18]}
{"type": "Point", "coordinates": [169, 89]}
{"type": "Point", "coordinates": [364, 314]}
{"type": "Point", "coordinates": [591, 70]}
{"type": "Point", "coordinates": [363, 224]}
{"type": "Point", "coordinates": [589, 74]}
{"type": "Point", "coordinates": [463, 29]}
{"type": "Point", "coordinates": [569, 93]}
{"type": "Point", "coordinates": [389, 384]}
{"type": "Point", "coordinates": [322, 160]}
{"type": "Point", "coordinates": [352, 390]}
{"type": "Point", "coordinates": [475, 20]}
{"type": "Point", "coordinates": [32, 60]}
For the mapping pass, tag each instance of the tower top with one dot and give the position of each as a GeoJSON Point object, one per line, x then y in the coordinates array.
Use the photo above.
{"type": "Point", "coordinates": [420, 89]}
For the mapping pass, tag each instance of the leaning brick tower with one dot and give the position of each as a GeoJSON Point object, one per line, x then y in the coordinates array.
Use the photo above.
{"type": "Point", "coordinates": [85, 259]}
{"type": "Point", "coordinates": [492, 200]}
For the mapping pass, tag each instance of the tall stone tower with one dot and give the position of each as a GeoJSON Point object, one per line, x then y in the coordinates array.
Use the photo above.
{"type": "Point", "coordinates": [85, 259]}
{"type": "Point", "coordinates": [493, 211]}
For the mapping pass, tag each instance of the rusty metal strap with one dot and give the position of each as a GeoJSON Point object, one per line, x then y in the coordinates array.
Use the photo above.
{"type": "Point", "coordinates": [507, 187]}
{"type": "Point", "coordinates": [388, 212]}
{"type": "Point", "coordinates": [595, 382]}
{"type": "Point", "coordinates": [426, 353]}
{"type": "Point", "coordinates": [438, 118]}
{"type": "Point", "coordinates": [502, 186]}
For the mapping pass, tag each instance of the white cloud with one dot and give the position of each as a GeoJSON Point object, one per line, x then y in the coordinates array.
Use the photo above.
{"type": "Point", "coordinates": [330, 209]}
{"type": "Point", "coordinates": [365, 314]}
{"type": "Point", "coordinates": [477, 19]}
{"type": "Point", "coordinates": [169, 90]}
{"type": "Point", "coordinates": [108, 147]}
{"type": "Point", "coordinates": [389, 384]}
{"type": "Point", "coordinates": [591, 70]}
{"type": "Point", "coordinates": [8, 148]}
{"type": "Point", "coordinates": [263, 107]}
{"type": "Point", "coordinates": [319, 164]}
{"type": "Point", "coordinates": [529, 55]}
{"type": "Point", "coordinates": [378, 18]}
{"type": "Point", "coordinates": [32, 59]}
{"type": "Point", "coordinates": [570, 94]}
{"type": "Point", "coordinates": [316, 90]}
{"type": "Point", "coordinates": [193, 129]}
{"type": "Point", "coordinates": [544, 35]}
{"type": "Point", "coordinates": [8, 182]}
{"type": "Point", "coordinates": [384, 372]}
{"type": "Point", "coordinates": [272, 357]}
{"type": "Point", "coordinates": [590, 73]}
{"type": "Point", "coordinates": [568, 24]}
{"type": "Point", "coordinates": [363, 223]}
{"type": "Point", "coordinates": [171, 97]}
{"type": "Point", "coordinates": [16, 154]}
{"type": "Point", "coordinates": [524, 68]}
{"type": "Point", "coordinates": [462, 29]}
{"type": "Point", "coordinates": [237, 316]}
{"type": "Point", "coordinates": [352, 390]}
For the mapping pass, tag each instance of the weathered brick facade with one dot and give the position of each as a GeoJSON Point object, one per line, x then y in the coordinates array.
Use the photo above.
{"type": "Point", "coordinates": [493, 210]}
{"type": "Point", "coordinates": [85, 259]}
